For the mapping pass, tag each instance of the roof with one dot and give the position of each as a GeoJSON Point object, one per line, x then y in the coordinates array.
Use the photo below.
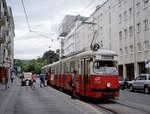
{"type": "Point", "coordinates": [99, 52]}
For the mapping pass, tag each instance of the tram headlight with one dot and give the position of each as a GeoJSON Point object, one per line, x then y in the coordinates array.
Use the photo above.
{"type": "Point", "coordinates": [108, 85]}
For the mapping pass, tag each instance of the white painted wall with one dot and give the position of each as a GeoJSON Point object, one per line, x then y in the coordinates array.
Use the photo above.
{"type": "Point", "coordinates": [108, 27]}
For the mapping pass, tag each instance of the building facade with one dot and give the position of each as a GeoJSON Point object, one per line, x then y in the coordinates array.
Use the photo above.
{"type": "Point", "coordinates": [6, 41]}
{"type": "Point", "coordinates": [118, 25]}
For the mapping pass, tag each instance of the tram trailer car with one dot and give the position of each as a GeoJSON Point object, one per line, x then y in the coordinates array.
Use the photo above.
{"type": "Point", "coordinates": [96, 77]}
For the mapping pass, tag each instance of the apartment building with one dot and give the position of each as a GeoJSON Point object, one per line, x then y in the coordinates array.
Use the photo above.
{"type": "Point", "coordinates": [133, 43]}
{"type": "Point", "coordinates": [68, 30]}
{"type": "Point", "coordinates": [6, 41]}
{"type": "Point", "coordinates": [112, 27]}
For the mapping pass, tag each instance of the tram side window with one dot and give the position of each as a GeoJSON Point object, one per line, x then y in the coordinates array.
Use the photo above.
{"type": "Point", "coordinates": [105, 67]}
{"type": "Point", "coordinates": [67, 68]}
{"type": "Point", "coordinates": [60, 72]}
{"type": "Point", "coordinates": [72, 66]}
{"type": "Point", "coordinates": [53, 70]}
{"type": "Point", "coordinates": [57, 69]}
{"type": "Point", "coordinates": [77, 66]}
{"type": "Point", "coordinates": [64, 69]}
{"type": "Point", "coordinates": [49, 70]}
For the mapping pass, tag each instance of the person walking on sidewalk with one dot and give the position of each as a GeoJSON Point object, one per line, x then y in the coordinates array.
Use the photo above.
{"type": "Point", "coordinates": [74, 96]}
{"type": "Point", "coordinates": [42, 81]}
{"type": "Point", "coordinates": [33, 81]}
{"type": "Point", "coordinates": [6, 83]}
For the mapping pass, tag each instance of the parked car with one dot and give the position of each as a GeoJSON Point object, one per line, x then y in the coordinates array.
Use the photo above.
{"type": "Point", "coordinates": [26, 79]}
{"type": "Point", "coordinates": [142, 82]}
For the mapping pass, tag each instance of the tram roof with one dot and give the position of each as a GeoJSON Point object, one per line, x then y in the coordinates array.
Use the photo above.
{"type": "Point", "coordinates": [99, 52]}
{"type": "Point", "coordinates": [54, 63]}
{"type": "Point", "coordinates": [84, 54]}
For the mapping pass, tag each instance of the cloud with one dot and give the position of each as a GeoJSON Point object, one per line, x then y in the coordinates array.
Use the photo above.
{"type": "Point", "coordinates": [45, 17]}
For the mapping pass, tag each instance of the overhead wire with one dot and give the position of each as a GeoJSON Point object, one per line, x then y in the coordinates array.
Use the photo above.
{"type": "Point", "coordinates": [29, 25]}
{"type": "Point", "coordinates": [25, 12]}
{"type": "Point", "coordinates": [89, 4]}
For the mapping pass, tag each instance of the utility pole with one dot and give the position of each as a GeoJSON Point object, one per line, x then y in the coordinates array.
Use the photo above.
{"type": "Point", "coordinates": [134, 42]}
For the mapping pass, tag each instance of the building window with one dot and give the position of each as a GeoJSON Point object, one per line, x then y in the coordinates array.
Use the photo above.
{"type": "Point", "coordinates": [125, 15]}
{"type": "Point", "coordinates": [119, 2]}
{"type": "Point", "coordinates": [138, 6]}
{"type": "Point", "coordinates": [126, 50]}
{"type": "Point", "coordinates": [120, 18]}
{"type": "Point", "coordinates": [146, 24]}
{"type": "Point", "coordinates": [125, 2]}
{"type": "Point", "coordinates": [121, 52]}
{"type": "Point", "coordinates": [125, 33]}
{"type": "Point", "coordinates": [130, 12]}
{"type": "Point", "coordinates": [138, 27]}
{"type": "Point", "coordinates": [139, 45]}
{"type": "Point", "coordinates": [120, 35]}
{"type": "Point", "coordinates": [131, 49]}
{"type": "Point", "coordinates": [131, 31]}
{"type": "Point", "coordinates": [145, 3]}
{"type": "Point", "coordinates": [146, 45]}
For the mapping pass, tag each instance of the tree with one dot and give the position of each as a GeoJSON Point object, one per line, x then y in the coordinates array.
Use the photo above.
{"type": "Point", "coordinates": [50, 57]}
{"type": "Point", "coordinates": [35, 65]}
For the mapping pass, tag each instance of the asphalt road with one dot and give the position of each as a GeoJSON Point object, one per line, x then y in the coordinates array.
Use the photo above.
{"type": "Point", "coordinates": [24, 100]}
{"type": "Point", "coordinates": [138, 100]}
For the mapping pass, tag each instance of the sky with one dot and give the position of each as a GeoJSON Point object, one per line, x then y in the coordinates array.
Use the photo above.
{"type": "Point", "coordinates": [45, 17]}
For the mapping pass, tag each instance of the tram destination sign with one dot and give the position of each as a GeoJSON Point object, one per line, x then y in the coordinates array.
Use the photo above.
{"type": "Point", "coordinates": [104, 57]}
{"type": "Point", "coordinates": [107, 57]}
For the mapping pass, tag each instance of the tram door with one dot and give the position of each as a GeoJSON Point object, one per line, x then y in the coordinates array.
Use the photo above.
{"type": "Point", "coordinates": [60, 76]}
{"type": "Point", "coordinates": [84, 71]}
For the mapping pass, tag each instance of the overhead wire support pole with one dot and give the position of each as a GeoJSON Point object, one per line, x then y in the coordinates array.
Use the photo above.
{"type": "Point", "coordinates": [134, 41]}
{"type": "Point", "coordinates": [26, 15]}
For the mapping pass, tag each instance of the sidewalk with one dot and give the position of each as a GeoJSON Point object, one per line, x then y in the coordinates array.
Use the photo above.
{"type": "Point", "coordinates": [2, 87]}
{"type": "Point", "coordinates": [23, 100]}
{"type": "Point", "coordinates": [5, 92]}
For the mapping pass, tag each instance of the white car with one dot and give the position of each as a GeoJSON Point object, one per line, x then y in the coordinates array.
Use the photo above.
{"type": "Point", "coordinates": [142, 82]}
{"type": "Point", "coordinates": [26, 79]}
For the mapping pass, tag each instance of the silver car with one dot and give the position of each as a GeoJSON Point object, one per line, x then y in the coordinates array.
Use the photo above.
{"type": "Point", "coordinates": [142, 82]}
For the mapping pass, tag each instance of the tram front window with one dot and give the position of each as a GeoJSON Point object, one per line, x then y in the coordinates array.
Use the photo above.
{"type": "Point", "coordinates": [105, 67]}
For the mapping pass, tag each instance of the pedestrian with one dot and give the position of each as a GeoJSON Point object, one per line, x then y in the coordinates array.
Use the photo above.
{"type": "Point", "coordinates": [6, 83]}
{"type": "Point", "coordinates": [42, 80]}
{"type": "Point", "coordinates": [33, 81]}
{"type": "Point", "coordinates": [46, 77]}
{"type": "Point", "coordinates": [12, 79]}
{"type": "Point", "coordinates": [74, 96]}
{"type": "Point", "coordinates": [22, 78]}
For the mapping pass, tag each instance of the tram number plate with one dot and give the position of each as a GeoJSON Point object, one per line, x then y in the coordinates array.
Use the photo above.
{"type": "Point", "coordinates": [97, 80]}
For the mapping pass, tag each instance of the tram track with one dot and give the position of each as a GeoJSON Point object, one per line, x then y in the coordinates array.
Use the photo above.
{"type": "Point", "coordinates": [114, 107]}
{"type": "Point", "coordinates": [104, 109]}
{"type": "Point", "coordinates": [134, 107]}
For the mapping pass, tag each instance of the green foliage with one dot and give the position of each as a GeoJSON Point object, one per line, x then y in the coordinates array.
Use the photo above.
{"type": "Point", "coordinates": [50, 56]}
{"type": "Point", "coordinates": [35, 65]}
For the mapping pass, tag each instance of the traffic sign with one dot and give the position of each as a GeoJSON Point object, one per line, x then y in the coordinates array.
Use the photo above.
{"type": "Point", "coordinates": [147, 64]}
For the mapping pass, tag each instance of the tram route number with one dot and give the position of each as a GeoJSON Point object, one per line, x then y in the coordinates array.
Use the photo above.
{"type": "Point", "coordinates": [97, 80]}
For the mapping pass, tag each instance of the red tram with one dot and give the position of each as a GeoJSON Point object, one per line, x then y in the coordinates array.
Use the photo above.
{"type": "Point", "coordinates": [97, 74]}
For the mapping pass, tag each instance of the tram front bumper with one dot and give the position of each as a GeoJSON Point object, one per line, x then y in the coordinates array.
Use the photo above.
{"type": "Point", "coordinates": [105, 93]}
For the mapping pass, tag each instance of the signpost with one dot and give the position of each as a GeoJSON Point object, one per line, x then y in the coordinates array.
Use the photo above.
{"type": "Point", "coordinates": [147, 65]}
